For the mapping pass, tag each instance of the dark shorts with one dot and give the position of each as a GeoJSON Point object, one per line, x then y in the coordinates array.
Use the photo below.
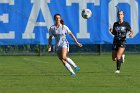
{"type": "Point", "coordinates": [118, 45]}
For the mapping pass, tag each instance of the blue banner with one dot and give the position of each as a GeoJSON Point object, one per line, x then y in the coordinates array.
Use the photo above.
{"type": "Point", "coordinates": [28, 21]}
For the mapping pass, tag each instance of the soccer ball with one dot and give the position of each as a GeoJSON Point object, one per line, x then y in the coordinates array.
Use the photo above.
{"type": "Point", "coordinates": [86, 13]}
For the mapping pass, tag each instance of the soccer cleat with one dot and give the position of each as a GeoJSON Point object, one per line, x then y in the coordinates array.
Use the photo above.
{"type": "Point", "coordinates": [117, 71]}
{"type": "Point", "coordinates": [123, 58]}
{"type": "Point", "coordinates": [77, 68]}
{"type": "Point", "coordinates": [73, 74]}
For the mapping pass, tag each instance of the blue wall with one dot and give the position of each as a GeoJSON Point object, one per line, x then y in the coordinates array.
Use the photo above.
{"type": "Point", "coordinates": [28, 21]}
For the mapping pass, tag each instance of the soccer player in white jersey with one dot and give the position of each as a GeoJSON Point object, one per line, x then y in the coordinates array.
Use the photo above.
{"type": "Point", "coordinates": [59, 31]}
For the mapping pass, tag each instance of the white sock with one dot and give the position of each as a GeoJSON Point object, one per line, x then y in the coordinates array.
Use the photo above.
{"type": "Point", "coordinates": [69, 68]}
{"type": "Point", "coordinates": [71, 62]}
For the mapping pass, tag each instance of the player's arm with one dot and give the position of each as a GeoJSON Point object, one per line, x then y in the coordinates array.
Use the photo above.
{"type": "Point", "coordinates": [112, 30]}
{"type": "Point", "coordinates": [50, 40]}
{"type": "Point", "coordinates": [131, 33]}
{"type": "Point", "coordinates": [77, 43]}
{"type": "Point", "coordinates": [129, 29]}
{"type": "Point", "coordinates": [49, 43]}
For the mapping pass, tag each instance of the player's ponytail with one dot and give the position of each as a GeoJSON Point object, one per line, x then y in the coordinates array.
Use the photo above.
{"type": "Point", "coordinates": [61, 21]}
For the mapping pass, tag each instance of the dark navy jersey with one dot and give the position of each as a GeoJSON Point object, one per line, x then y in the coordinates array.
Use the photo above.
{"type": "Point", "coordinates": [120, 31]}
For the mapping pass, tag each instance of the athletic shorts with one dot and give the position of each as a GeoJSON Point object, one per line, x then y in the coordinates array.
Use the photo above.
{"type": "Point", "coordinates": [58, 48]}
{"type": "Point", "coordinates": [118, 45]}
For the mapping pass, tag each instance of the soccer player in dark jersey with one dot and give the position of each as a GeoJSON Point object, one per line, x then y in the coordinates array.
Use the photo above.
{"type": "Point", "coordinates": [120, 30]}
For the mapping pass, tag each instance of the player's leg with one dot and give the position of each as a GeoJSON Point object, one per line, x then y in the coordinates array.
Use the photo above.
{"type": "Point", "coordinates": [63, 56]}
{"type": "Point", "coordinates": [123, 58]}
{"type": "Point", "coordinates": [64, 59]}
{"type": "Point", "coordinates": [119, 60]}
{"type": "Point", "coordinates": [114, 52]}
{"type": "Point", "coordinates": [123, 45]}
{"type": "Point", "coordinates": [71, 62]}
{"type": "Point", "coordinates": [114, 55]}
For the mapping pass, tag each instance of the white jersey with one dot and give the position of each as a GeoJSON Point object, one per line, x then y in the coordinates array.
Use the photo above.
{"type": "Point", "coordinates": [60, 35]}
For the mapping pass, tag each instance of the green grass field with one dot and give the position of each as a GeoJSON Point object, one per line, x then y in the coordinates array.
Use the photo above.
{"type": "Point", "coordinates": [46, 74]}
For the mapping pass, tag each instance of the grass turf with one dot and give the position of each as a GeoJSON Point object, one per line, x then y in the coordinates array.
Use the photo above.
{"type": "Point", "coordinates": [46, 74]}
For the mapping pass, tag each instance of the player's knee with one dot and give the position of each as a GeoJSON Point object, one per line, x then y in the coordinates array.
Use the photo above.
{"type": "Point", "coordinates": [118, 57]}
{"type": "Point", "coordinates": [68, 59]}
{"type": "Point", "coordinates": [114, 59]}
{"type": "Point", "coordinates": [64, 58]}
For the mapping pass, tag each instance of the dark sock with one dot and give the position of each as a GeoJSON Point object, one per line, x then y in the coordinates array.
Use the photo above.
{"type": "Point", "coordinates": [121, 59]}
{"type": "Point", "coordinates": [119, 64]}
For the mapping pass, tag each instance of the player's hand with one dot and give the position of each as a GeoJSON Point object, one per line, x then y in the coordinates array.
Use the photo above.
{"type": "Point", "coordinates": [79, 44]}
{"type": "Point", "coordinates": [111, 30]}
{"type": "Point", "coordinates": [130, 34]}
{"type": "Point", "coordinates": [49, 49]}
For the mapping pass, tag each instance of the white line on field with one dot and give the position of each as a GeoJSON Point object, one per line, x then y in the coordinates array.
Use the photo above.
{"type": "Point", "coordinates": [33, 60]}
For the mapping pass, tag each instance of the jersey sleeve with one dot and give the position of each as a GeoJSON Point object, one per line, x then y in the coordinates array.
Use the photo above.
{"type": "Point", "coordinates": [50, 31]}
{"type": "Point", "coordinates": [128, 26]}
{"type": "Point", "coordinates": [67, 29]}
{"type": "Point", "coordinates": [113, 32]}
